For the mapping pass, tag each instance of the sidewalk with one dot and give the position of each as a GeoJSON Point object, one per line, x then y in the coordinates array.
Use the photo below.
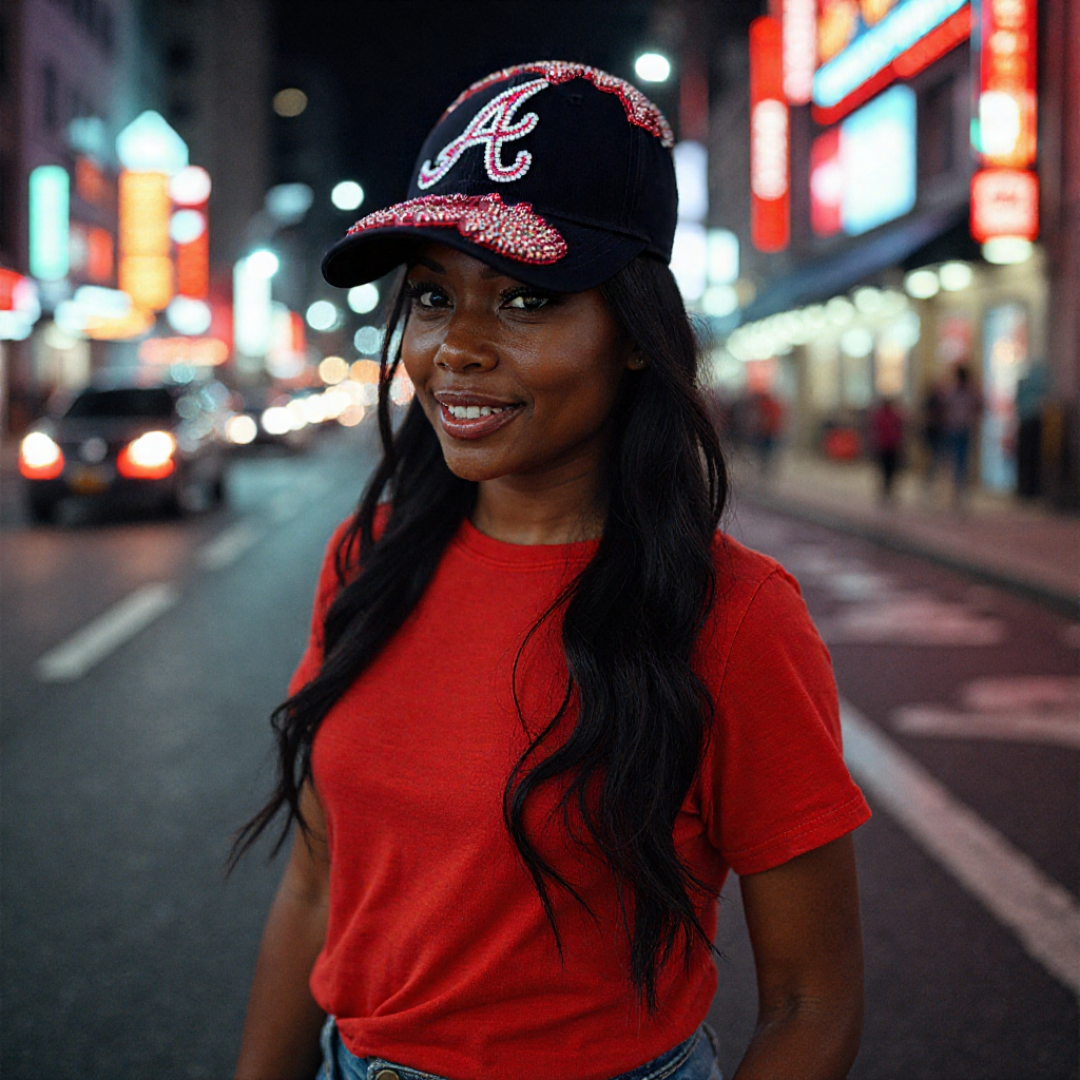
{"type": "Point", "coordinates": [1001, 539]}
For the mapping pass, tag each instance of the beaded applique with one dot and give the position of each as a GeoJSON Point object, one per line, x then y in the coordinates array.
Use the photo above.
{"type": "Point", "coordinates": [491, 127]}
{"type": "Point", "coordinates": [513, 231]}
{"type": "Point", "coordinates": [639, 109]}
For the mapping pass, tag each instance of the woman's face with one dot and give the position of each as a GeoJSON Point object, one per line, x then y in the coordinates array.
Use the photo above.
{"type": "Point", "coordinates": [519, 384]}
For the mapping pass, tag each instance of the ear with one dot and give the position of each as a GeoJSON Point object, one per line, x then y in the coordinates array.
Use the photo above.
{"type": "Point", "coordinates": [635, 361]}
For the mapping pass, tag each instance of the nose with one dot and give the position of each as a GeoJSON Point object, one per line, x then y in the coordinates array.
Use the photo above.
{"type": "Point", "coordinates": [466, 347]}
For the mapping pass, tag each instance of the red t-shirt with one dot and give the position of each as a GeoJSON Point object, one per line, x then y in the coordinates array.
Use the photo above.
{"type": "Point", "coordinates": [438, 954]}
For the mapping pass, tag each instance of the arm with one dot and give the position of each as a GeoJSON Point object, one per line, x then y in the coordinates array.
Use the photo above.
{"type": "Point", "coordinates": [803, 919]}
{"type": "Point", "coordinates": [281, 1031]}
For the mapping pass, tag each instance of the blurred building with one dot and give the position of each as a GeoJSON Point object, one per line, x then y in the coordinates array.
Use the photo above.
{"type": "Point", "coordinates": [902, 180]}
{"type": "Point", "coordinates": [74, 74]}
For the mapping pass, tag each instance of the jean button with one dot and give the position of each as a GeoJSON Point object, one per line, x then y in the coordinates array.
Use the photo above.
{"type": "Point", "coordinates": [387, 1074]}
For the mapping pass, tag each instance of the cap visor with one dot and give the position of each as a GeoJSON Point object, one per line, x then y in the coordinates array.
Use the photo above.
{"type": "Point", "coordinates": [594, 255]}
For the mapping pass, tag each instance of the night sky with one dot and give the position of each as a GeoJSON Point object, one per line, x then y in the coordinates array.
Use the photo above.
{"type": "Point", "coordinates": [379, 72]}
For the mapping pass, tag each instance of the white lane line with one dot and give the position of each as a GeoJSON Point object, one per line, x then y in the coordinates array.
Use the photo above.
{"type": "Point", "coordinates": [1043, 915]}
{"type": "Point", "coordinates": [227, 547]}
{"type": "Point", "coordinates": [73, 658]}
{"type": "Point", "coordinates": [937, 721]}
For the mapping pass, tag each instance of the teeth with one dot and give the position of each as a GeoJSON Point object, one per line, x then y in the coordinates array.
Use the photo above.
{"type": "Point", "coordinates": [472, 412]}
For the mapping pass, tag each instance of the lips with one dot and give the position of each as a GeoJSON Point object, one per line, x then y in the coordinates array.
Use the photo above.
{"type": "Point", "coordinates": [467, 415]}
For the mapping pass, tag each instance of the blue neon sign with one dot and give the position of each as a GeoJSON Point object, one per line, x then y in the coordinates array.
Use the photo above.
{"type": "Point", "coordinates": [875, 47]}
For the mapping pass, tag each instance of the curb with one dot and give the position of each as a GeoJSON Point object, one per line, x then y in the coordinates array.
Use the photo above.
{"type": "Point", "coordinates": [1064, 603]}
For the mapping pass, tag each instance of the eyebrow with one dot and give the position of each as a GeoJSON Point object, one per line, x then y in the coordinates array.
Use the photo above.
{"type": "Point", "coordinates": [486, 272]}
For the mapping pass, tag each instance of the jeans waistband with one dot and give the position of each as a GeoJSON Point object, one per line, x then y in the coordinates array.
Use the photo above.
{"type": "Point", "coordinates": [340, 1064]}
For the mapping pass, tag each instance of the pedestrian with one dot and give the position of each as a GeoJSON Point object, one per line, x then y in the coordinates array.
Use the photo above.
{"type": "Point", "coordinates": [933, 432]}
{"type": "Point", "coordinates": [962, 406]}
{"type": "Point", "coordinates": [886, 424]}
{"type": "Point", "coordinates": [767, 417]}
{"type": "Point", "coordinates": [545, 705]}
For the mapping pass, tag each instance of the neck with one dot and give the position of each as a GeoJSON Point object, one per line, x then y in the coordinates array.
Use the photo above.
{"type": "Point", "coordinates": [518, 513]}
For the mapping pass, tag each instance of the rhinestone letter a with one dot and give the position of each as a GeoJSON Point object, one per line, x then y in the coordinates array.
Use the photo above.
{"type": "Point", "coordinates": [493, 125]}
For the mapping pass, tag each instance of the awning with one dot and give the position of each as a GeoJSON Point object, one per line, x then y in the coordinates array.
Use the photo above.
{"type": "Point", "coordinates": [824, 278]}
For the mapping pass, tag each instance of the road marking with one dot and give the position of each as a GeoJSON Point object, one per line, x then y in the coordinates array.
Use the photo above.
{"type": "Point", "coordinates": [73, 658]}
{"type": "Point", "coordinates": [939, 721]}
{"type": "Point", "coordinates": [911, 619]}
{"type": "Point", "coordinates": [227, 547]}
{"type": "Point", "coordinates": [1043, 915]}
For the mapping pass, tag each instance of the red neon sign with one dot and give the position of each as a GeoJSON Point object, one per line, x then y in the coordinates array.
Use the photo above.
{"type": "Point", "coordinates": [1007, 100]}
{"type": "Point", "coordinates": [1004, 202]}
{"type": "Point", "coordinates": [800, 49]}
{"type": "Point", "coordinates": [826, 183]}
{"type": "Point", "coordinates": [770, 196]}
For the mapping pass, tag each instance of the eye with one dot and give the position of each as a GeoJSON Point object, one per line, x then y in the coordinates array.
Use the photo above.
{"type": "Point", "coordinates": [423, 294]}
{"type": "Point", "coordinates": [526, 300]}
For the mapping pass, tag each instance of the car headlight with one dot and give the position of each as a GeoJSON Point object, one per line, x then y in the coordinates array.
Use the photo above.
{"type": "Point", "coordinates": [39, 457]}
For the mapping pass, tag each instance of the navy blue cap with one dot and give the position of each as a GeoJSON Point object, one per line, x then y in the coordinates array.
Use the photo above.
{"type": "Point", "coordinates": [553, 173]}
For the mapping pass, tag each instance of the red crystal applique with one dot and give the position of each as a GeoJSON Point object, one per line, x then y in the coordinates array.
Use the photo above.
{"type": "Point", "coordinates": [515, 232]}
{"type": "Point", "coordinates": [639, 109]}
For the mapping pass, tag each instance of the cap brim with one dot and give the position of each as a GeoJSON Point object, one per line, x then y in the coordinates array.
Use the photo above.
{"type": "Point", "coordinates": [593, 255]}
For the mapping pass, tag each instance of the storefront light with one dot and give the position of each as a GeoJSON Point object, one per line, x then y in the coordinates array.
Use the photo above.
{"type": "Point", "coordinates": [868, 300]}
{"type": "Point", "coordinates": [955, 276]}
{"type": "Point", "coordinates": [840, 311]}
{"type": "Point", "coordinates": [921, 284]}
{"type": "Point", "coordinates": [857, 341]}
{"type": "Point", "coordinates": [815, 318]}
{"type": "Point", "coordinates": [1005, 250]}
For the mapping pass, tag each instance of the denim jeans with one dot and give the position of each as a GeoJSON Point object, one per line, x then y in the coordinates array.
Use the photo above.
{"type": "Point", "coordinates": [694, 1059]}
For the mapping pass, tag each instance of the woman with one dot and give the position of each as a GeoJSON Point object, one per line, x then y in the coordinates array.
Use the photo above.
{"type": "Point", "coordinates": [545, 705]}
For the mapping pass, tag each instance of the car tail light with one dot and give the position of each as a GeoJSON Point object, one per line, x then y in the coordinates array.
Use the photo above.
{"type": "Point", "coordinates": [149, 457]}
{"type": "Point", "coordinates": [39, 457]}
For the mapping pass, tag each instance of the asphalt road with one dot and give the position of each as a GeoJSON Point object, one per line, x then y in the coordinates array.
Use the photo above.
{"type": "Point", "coordinates": [141, 659]}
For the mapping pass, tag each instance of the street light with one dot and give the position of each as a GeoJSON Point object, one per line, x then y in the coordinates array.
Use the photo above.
{"type": "Point", "coordinates": [347, 195]}
{"type": "Point", "coordinates": [652, 67]}
{"type": "Point", "coordinates": [263, 263]}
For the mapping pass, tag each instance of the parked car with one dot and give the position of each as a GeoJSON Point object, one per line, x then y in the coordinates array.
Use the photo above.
{"type": "Point", "coordinates": [154, 445]}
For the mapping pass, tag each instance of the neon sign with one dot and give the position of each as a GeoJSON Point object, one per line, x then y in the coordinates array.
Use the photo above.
{"type": "Point", "coordinates": [1004, 202]}
{"type": "Point", "coordinates": [1006, 113]}
{"type": "Point", "coordinates": [861, 58]}
{"type": "Point", "coordinates": [770, 196]}
{"type": "Point", "coordinates": [50, 194]}
{"type": "Point", "coordinates": [146, 270]}
{"type": "Point", "coordinates": [800, 49]}
{"type": "Point", "coordinates": [862, 173]}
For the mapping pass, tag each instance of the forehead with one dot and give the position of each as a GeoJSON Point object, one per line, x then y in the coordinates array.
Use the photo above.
{"type": "Point", "coordinates": [443, 259]}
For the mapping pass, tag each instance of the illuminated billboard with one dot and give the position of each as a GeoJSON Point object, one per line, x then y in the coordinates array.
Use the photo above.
{"type": "Point", "coordinates": [770, 197]}
{"type": "Point", "coordinates": [864, 45]}
{"type": "Point", "coordinates": [863, 172]}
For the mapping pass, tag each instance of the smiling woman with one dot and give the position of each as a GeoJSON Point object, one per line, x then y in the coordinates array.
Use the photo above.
{"type": "Point", "coordinates": [546, 706]}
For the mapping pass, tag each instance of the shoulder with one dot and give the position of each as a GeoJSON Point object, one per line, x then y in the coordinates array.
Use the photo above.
{"type": "Point", "coordinates": [757, 605]}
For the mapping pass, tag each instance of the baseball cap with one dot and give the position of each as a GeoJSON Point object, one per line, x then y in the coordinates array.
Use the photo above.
{"type": "Point", "coordinates": [554, 173]}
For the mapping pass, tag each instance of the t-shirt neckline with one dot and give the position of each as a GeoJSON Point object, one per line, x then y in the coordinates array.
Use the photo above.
{"type": "Point", "coordinates": [521, 556]}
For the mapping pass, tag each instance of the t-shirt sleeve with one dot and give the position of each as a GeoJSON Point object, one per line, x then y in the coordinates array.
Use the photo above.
{"type": "Point", "coordinates": [776, 785]}
{"type": "Point", "coordinates": [325, 592]}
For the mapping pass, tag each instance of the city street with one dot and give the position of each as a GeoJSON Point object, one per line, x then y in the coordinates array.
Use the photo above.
{"type": "Point", "coordinates": [141, 659]}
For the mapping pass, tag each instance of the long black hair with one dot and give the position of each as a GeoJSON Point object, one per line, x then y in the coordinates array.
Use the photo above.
{"type": "Point", "coordinates": [630, 620]}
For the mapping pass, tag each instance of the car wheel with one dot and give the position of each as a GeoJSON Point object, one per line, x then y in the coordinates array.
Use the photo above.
{"type": "Point", "coordinates": [41, 509]}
